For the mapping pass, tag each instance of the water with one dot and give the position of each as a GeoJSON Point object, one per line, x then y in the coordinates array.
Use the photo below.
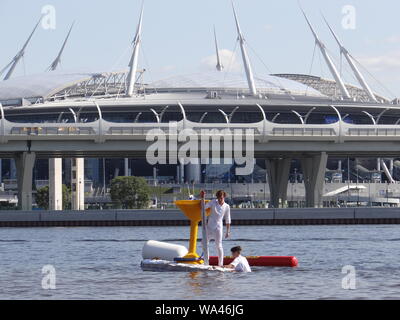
{"type": "Point", "coordinates": [104, 263]}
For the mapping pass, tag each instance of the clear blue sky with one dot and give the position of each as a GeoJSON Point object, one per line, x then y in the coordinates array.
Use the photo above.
{"type": "Point", "coordinates": [177, 35]}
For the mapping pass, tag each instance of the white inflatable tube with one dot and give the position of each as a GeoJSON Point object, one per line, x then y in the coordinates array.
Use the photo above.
{"type": "Point", "coordinates": [163, 251]}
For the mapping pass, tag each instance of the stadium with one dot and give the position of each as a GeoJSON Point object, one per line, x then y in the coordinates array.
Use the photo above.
{"type": "Point", "coordinates": [216, 99]}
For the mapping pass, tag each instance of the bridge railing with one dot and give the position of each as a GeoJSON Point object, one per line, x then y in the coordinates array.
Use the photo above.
{"type": "Point", "coordinates": [45, 131]}
{"type": "Point", "coordinates": [385, 132]}
{"type": "Point", "coordinates": [102, 130]}
{"type": "Point", "coordinates": [301, 132]}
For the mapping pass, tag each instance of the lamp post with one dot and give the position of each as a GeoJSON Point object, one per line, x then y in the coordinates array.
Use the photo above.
{"type": "Point", "coordinates": [104, 177]}
{"type": "Point", "coordinates": [159, 193]}
{"type": "Point", "coordinates": [358, 190]}
{"type": "Point", "coordinates": [78, 195]}
{"type": "Point", "coordinates": [369, 193]}
{"type": "Point", "coordinates": [348, 181]}
{"type": "Point", "coordinates": [387, 193]}
{"type": "Point", "coordinates": [265, 195]}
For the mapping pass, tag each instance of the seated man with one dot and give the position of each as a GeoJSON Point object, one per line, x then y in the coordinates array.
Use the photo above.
{"type": "Point", "coordinates": [239, 263]}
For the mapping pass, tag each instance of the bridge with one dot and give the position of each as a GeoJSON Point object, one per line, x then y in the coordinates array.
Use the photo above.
{"type": "Point", "coordinates": [277, 143]}
{"type": "Point", "coordinates": [98, 138]}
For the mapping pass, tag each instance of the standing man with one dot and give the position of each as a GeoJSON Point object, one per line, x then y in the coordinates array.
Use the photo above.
{"type": "Point", "coordinates": [220, 210]}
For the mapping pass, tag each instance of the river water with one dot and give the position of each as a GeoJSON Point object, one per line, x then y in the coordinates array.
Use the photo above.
{"type": "Point", "coordinates": [104, 263]}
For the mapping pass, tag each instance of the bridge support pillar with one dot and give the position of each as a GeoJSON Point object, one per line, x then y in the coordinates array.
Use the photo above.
{"type": "Point", "coordinates": [181, 177]}
{"type": "Point", "coordinates": [78, 183]}
{"type": "Point", "coordinates": [314, 169]}
{"type": "Point", "coordinates": [278, 177]}
{"type": "Point", "coordinates": [13, 169]}
{"type": "Point", "coordinates": [24, 164]}
{"type": "Point", "coordinates": [193, 172]}
{"type": "Point", "coordinates": [55, 184]}
{"type": "Point", "coordinates": [127, 170]}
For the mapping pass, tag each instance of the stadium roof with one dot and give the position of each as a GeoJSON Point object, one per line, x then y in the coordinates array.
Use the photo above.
{"type": "Point", "coordinates": [53, 85]}
{"type": "Point", "coordinates": [233, 82]}
{"type": "Point", "coordinates": [42, 85]}
{"type": "Point", "coordinates": [329, 87]}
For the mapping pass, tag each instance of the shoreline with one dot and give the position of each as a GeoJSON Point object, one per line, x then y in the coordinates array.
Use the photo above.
{"type": "Point", "coordinates": [173, 217]}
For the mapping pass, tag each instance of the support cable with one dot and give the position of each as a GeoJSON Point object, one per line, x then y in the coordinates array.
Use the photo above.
{"type": "Point", "coordinates": [147, 65]}
{"type": "Point", "coordinates": [311, 66]}
{"type": "Point", "coordinates": [278, 82]}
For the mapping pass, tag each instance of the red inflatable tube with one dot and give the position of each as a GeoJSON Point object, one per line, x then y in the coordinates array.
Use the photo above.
{"type": "Point", "coordinates": [262, 261]}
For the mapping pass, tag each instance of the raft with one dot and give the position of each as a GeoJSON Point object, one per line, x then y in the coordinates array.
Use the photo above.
{"type": "Point", "coordinates": [262, 261]}
{"type": "Point", "coordinates": [164, 265]}
{"type": "Point", "coordinates": [161, 256]}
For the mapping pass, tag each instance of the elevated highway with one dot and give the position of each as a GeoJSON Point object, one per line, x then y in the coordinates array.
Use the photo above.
{"type": "Point", "coordinates": [98, 138]}
{"type": "Point", "coordinates": [277, 143]}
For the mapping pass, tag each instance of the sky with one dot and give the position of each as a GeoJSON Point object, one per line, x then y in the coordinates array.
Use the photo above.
{"type": "Point", "coordinates": [178, 36]}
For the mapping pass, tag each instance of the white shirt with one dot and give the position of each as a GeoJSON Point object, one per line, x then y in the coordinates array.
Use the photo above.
{"type": "Point", "coordinates": [218, 213]}
{"type": "Point", "coordinates": [241, 264]}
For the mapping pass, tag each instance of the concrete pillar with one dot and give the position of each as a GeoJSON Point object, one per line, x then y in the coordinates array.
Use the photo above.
{"type": "Point", "coordinates": [314, 168]}
{"type": "Point", "coordinates": [193, 172]}
{"type": "Point", "coordinates": [13, 169]}
{"type": "Point", "coordinates": [55, 184]}
{"type": "Point", "coordinates": [78, 183]}
{"type": "Point", "coordinates": [181, 171]}
{"type": "Point", "coordinates": [154, 176]}
{"type": "Point", "coordinates": [24, 164]}
{"type": "Point", "coordinates": [127, 172]}
{"type": "Point", "coordinates": [278, 177]}
{"type": "Point", "coordinates": [116, 172]}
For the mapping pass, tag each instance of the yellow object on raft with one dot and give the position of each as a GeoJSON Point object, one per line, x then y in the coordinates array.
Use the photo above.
{"type": "Point", "coordinates": [192, 210]}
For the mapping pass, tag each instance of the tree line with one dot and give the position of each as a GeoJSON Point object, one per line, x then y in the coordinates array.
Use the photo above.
{"type": "Point", "coordinates": [125, 192]}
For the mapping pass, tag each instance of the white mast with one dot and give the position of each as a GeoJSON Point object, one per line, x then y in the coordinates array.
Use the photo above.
{"type": "Point", "coordinates": [57, 60]}
{"type": "Point", "coordinates": [20, 54]}
{"type": "Point", "coordinates": [133, 64]}
{"type": "Point", "coordinates": [349, 59]}
{"type": "Point", "coordinates": [219, 65]}
{"type": "Point", "coordinates": [246, 61]}
{"type": "Point", "coordinates": [329, 62]}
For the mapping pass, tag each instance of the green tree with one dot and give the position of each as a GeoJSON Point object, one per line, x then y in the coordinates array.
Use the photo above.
{"type": "Point", "coordinates": [42, 197]}
{"type": "Point", "coordinates": [130, 192]}
{"type": "Point", "coordinates": [66, 197]}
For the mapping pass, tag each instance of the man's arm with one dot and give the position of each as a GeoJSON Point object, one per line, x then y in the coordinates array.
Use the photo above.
{"type": "Point", "coordinates": [232, 265]}
{"type": "Point", "coordinates": [228, 222]}
{"type": "Point", "coordinates": [228, 230]}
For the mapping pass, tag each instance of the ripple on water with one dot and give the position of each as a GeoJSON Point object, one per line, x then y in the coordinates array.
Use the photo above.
{"type": "Point", "coordinates": [104, 263]}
